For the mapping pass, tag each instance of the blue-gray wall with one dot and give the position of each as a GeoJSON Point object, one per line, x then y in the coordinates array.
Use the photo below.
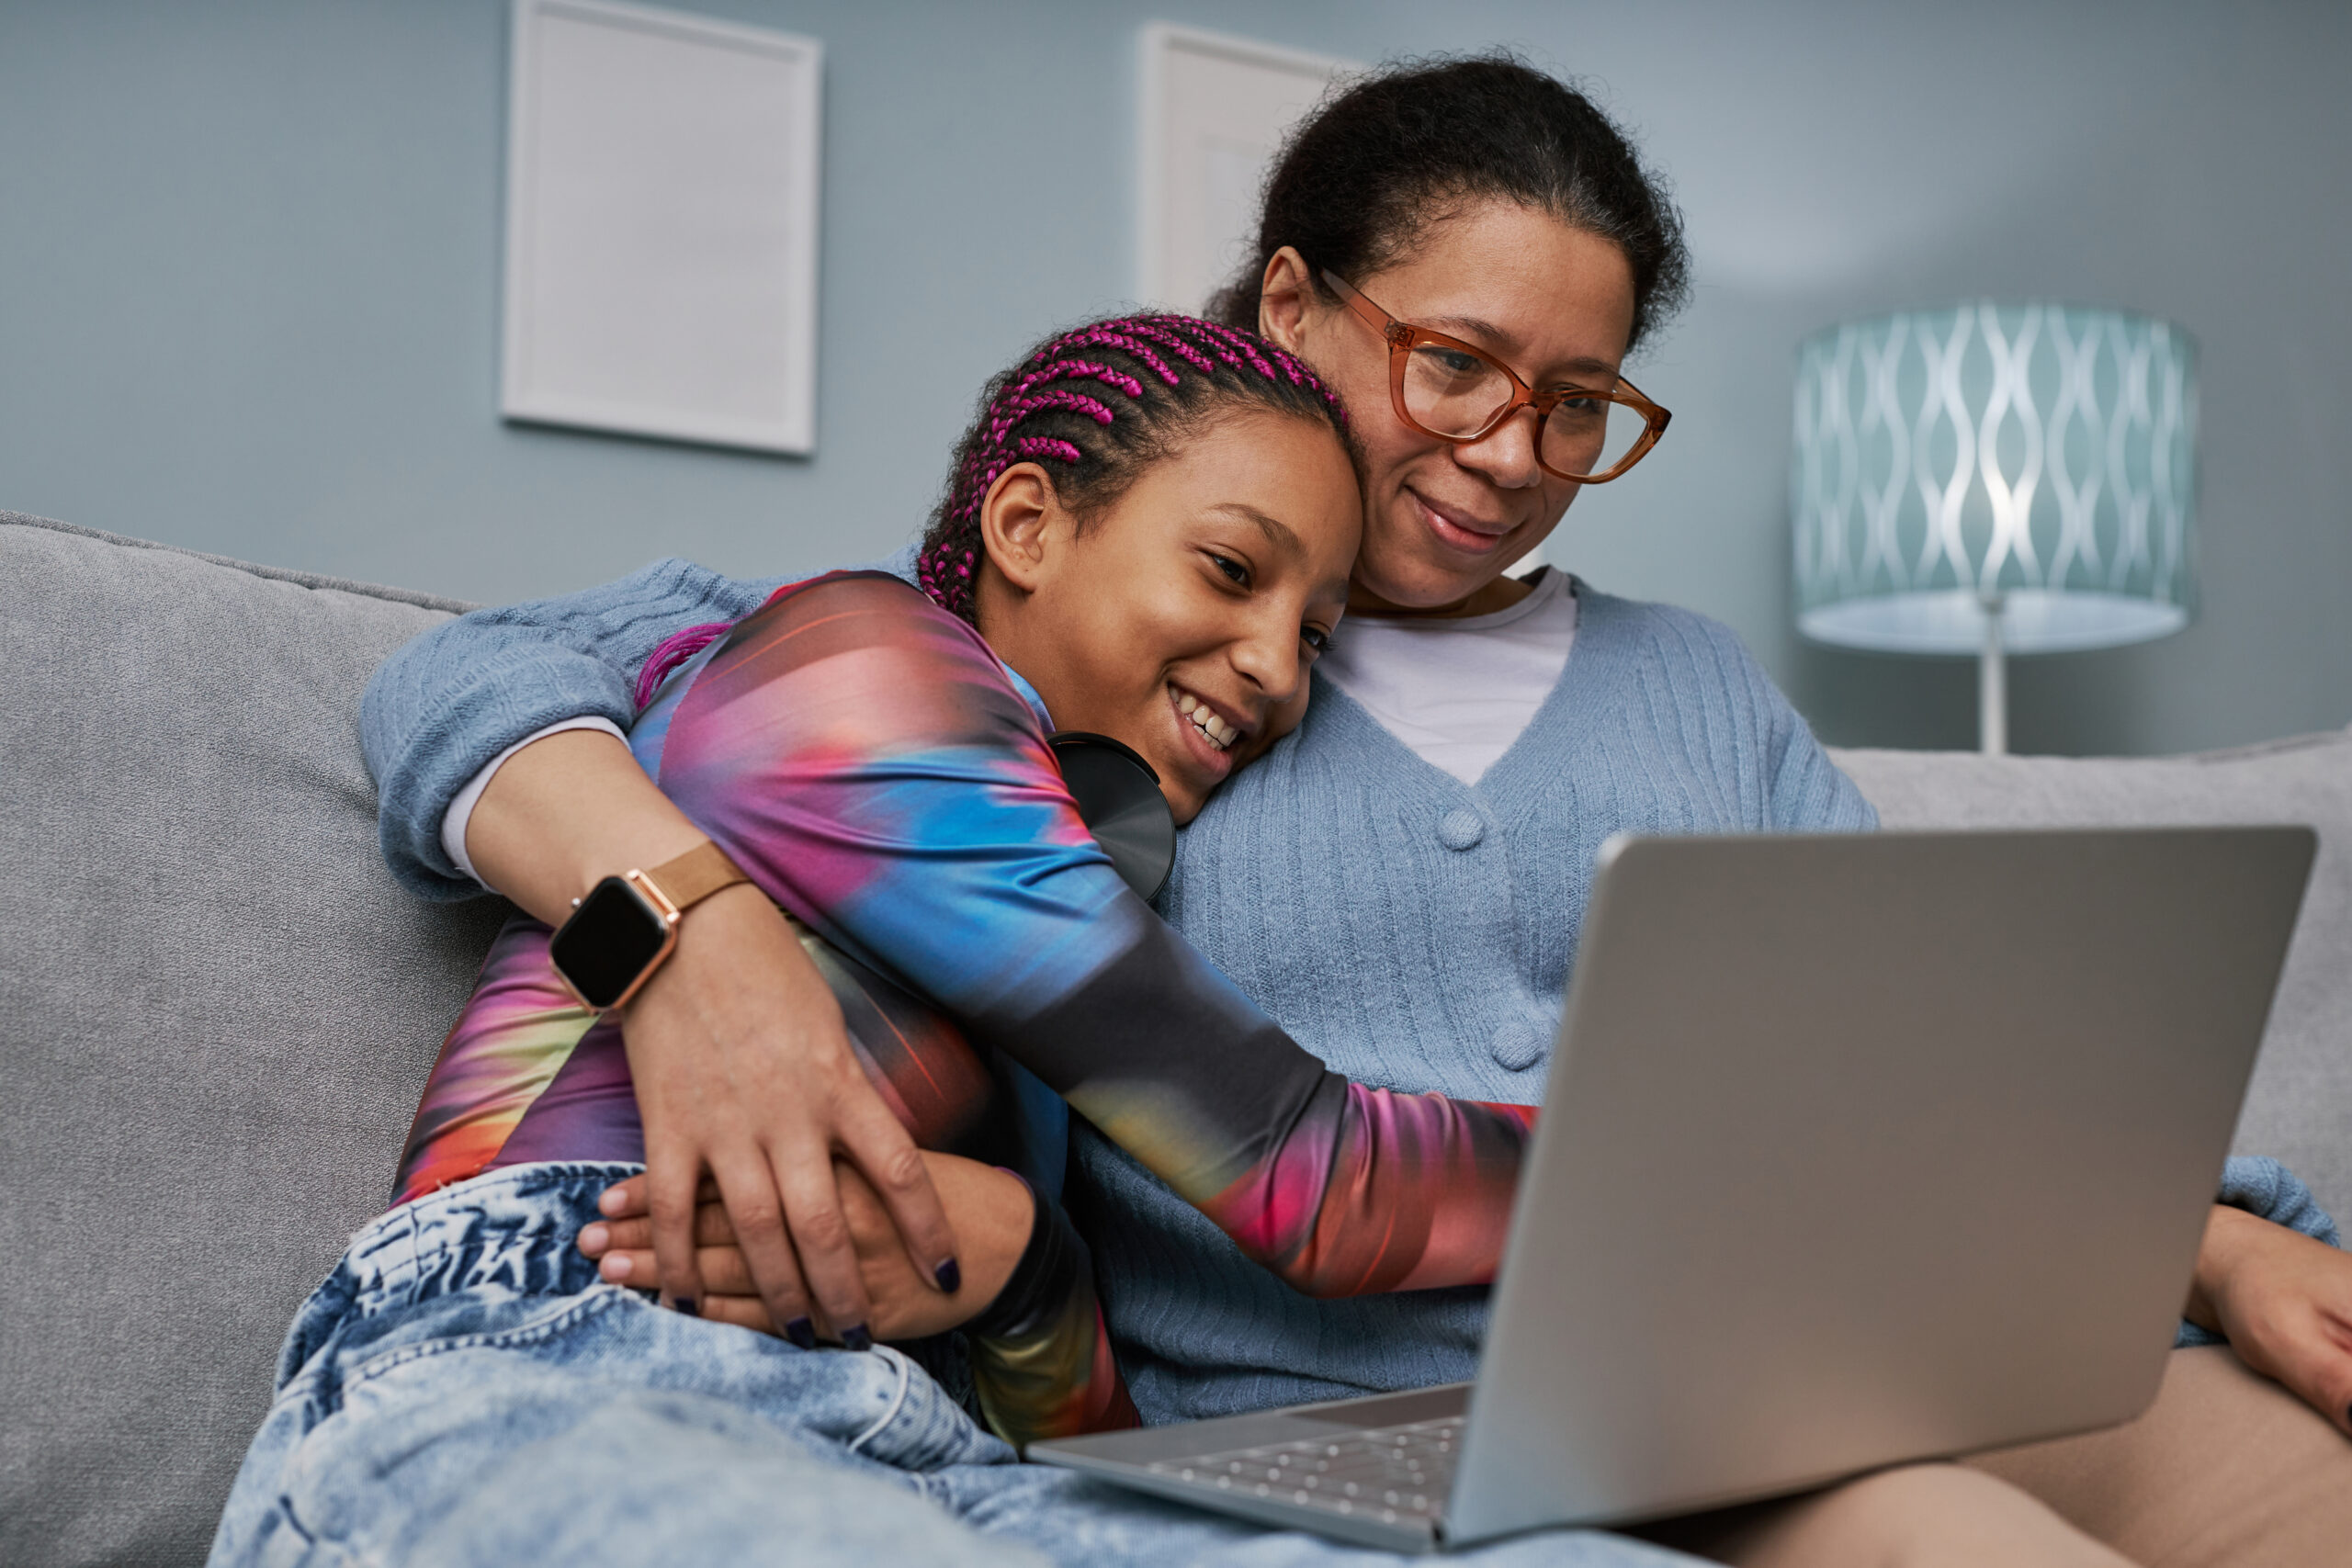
{"type": "Point", "coordinates": [249, 288]}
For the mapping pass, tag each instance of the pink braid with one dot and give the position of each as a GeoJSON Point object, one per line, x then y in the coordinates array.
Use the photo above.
{"type": "Point", "coordinates": [1126, 361]}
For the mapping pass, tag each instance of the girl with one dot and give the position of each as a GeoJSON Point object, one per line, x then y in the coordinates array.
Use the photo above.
{"type": "Point", "coordinates": [1151, 526]}
{"type": "Point", "coordinates": [1129, 492]}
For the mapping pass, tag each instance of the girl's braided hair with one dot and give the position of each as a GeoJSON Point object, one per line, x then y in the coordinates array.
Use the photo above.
{"type": "Point", "coordinates": [1099, 404]}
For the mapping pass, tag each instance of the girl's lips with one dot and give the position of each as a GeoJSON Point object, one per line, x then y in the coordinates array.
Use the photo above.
{"type": "Point", "coordinates": [1456, 534]}
{"type": "Point", "coordinates": [1211, 762]}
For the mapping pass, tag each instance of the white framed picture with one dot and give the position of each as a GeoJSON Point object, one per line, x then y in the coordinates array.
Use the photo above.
{"type": "Point", "coordinates": [1215, 109]}
{"type": "Point", "coordinates": [662, 184]}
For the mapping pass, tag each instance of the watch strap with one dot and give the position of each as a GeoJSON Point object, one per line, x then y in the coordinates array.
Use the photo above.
{"type": "Point", "coordinates": [694, 876]}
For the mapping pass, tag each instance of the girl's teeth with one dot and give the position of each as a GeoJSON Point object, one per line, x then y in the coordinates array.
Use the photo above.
{"type": "Point", "coordinates": [1186, 702]}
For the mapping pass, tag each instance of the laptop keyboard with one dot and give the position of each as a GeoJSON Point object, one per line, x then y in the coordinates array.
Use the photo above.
{"type": "Point", "coordinates": [1389, 1473]}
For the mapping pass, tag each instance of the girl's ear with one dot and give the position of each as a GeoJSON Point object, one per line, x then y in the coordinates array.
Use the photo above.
{"type": "Point", "coordinates": [1285, 297]}
{"type": "Point", "coordinates": [1018, 524]}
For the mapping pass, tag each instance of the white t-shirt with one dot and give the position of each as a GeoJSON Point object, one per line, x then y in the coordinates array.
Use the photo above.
{"type": "Point", "coordinates": [1458, 692]}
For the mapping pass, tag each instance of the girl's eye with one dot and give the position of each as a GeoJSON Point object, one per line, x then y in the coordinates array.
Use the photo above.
{"type": "Point", "coordinates": [1315, 638]}
{"type": "Point", "coordinates": [1231, 568]}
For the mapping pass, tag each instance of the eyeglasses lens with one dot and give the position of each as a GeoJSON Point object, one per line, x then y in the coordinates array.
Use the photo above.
{"type": "Point", "coordinates": [1457, 394]}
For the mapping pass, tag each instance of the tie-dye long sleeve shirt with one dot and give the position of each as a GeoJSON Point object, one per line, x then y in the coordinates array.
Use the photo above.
{"type": "Point", "coordinates": [881, 776]}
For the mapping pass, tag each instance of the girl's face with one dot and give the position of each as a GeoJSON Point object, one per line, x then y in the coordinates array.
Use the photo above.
{"type": "Point", "coordinates": [1183, 619]}
{"type": "Point", "coordinates": [1443, 523]}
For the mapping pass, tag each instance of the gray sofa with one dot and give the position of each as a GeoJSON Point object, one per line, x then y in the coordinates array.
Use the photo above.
{"type": "Point", "coordinates": [218, 1010]}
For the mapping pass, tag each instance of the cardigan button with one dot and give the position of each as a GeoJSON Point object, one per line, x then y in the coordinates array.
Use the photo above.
{"type": "Point", "coordinates": [1518, 1045]}
{"type": "Point", "coordinates": [1460, 829]}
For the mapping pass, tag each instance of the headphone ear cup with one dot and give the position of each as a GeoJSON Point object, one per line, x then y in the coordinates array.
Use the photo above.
{"type": "Point", "coordinates": [1119, 798]}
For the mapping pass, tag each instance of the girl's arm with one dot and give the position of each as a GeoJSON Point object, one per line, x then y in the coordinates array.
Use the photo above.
{"type": "Point", "coordinates": [863, 757]}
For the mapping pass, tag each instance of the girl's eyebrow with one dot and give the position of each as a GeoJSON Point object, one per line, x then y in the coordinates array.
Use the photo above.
{"type": "Point", "coordinates": [1278, 533]}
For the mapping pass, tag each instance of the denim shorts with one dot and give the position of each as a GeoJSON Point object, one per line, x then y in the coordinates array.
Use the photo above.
{"type": "Point", "coordinates": [463, 1390]}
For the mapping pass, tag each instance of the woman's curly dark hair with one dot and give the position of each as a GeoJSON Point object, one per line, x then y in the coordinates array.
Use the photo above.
{"type": "Point", "coordinates": [1375, 168]}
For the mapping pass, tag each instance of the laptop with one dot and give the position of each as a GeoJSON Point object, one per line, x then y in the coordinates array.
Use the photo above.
{"type": "Point", "coordinates": [1860, 1149]}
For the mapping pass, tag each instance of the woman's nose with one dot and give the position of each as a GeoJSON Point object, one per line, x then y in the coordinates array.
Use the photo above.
{"type": "Point", "coordinates": [1505, 455]}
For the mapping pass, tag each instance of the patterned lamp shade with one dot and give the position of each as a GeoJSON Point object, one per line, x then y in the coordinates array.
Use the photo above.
{"type": "Point", "coordinates": [2037, 463]}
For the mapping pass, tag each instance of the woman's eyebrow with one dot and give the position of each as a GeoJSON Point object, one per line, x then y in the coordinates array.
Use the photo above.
{"type": "Point", "coordinates": [1503, 343]}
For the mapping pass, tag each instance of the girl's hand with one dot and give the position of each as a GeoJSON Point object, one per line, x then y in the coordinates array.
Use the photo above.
{"type": "Point", "coordinates": [989, 1207]}
{"type": "Point", "coordinates": [743, 1069]}
{"type": "Point", "coordinates": [2285, 1302]}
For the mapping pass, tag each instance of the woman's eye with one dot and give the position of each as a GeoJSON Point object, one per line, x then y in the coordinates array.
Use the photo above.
{"type": "Point", "coordinates": [1316, 639]}
{"type": "Point", "coordinates": [1232, 569]}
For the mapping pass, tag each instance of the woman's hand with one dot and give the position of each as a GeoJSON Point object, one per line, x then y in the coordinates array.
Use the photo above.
{"type": "Point", "coordinates": [2285, 1302]}
{"type": "Point", "coordinates": [990, 1209]}
{"type": "Point", "coordinates": [743, 1066]}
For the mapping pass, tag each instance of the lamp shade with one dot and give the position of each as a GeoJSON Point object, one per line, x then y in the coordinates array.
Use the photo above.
{"type": "Point", "coordinates": [2035, 461]}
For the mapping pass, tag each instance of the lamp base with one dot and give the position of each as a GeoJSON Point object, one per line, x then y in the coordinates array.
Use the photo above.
{"type": "Point", "coordinates": [1992, 684]}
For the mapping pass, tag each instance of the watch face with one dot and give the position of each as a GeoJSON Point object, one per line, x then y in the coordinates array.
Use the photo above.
{"type": "Point", "coordinates": [607, 942]}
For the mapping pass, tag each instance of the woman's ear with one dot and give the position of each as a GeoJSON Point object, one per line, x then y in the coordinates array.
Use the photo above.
{"type": "Point", "coordinates": [1286, 294]}
{"type": "Point", "coordinates": [1019, 519]}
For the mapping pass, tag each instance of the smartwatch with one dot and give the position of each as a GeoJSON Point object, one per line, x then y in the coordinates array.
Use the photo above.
{"type": "Point", "coordinates": [618, 934]}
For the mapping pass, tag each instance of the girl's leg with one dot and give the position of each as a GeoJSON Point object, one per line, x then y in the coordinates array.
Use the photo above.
{"type": "Point", "coordinates": [2226, 1467]}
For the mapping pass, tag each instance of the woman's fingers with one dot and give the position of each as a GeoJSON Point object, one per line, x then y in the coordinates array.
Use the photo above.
{"type": "Point", "coordinates": [757, 1220]}
{"type": "Point", "coordinates": [671, 1177]}
{"type": "Point", "coordinates": [873, 1141]}
{"type": "Point", "coordinates": [2285, 1302]}
{"type": "Point", "coordinates": [820, 1235]}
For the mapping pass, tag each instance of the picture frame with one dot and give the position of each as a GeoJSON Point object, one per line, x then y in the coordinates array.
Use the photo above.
{"type": "Point", "coordinates": [1213, 111]}
{"type": "Point", "coordinates": [661, 226]}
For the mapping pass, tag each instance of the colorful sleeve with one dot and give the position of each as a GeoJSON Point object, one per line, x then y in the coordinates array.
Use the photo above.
{"type": "Point", "coordinates": [865, 758]}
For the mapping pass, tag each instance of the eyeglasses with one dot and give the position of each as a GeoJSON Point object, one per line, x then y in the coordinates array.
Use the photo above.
{"type": "Point", "coordinates": [1443, 387]}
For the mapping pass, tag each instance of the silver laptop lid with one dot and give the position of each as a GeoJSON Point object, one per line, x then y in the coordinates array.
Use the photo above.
{"type": "Point", "coordinates": [1862, 1149]}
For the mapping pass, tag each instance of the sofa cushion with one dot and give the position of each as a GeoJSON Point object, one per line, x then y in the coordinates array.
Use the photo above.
{"type": "Point", "coordinates": [2300, 1107]}
{"type": "Point", "coordinates": [218, 1012]}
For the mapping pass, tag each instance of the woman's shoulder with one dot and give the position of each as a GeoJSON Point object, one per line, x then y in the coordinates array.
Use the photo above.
{"type": "Point", "coordinates": [1648, 631]}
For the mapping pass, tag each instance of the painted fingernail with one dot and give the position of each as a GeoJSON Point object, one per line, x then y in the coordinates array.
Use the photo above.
{"type": "Point", "coordinates": [687, 1305]}
{"type": "Point", "coordinates": [950, 1276]}
{"type": "Point", "coordinates": [856, 1337]}
{"type": "Point", "coordinates": [802, 1332]}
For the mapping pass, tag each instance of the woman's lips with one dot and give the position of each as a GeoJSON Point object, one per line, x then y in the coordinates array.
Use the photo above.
{"type": "Point", "coordinates": [1458, 531]}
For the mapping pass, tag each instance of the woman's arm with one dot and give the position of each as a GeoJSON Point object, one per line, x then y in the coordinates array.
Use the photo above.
{"type": "Point", "coordinates": [446, 702]}
{"type": "Point", "coordinates": [741, 1063]}
{"type": "Point", "coordinates": [862, 756]}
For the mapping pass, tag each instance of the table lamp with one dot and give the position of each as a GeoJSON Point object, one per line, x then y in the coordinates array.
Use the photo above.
{"type": "Point", "coordinates": [1995, 478]}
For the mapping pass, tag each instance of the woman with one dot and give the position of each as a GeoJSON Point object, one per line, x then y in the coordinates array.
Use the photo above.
{"type": "Point", "coordinates": [1368, 881]}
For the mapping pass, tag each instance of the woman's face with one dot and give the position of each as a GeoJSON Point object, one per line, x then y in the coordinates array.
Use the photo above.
{"type": "Point", "coordinates": [1183, 619]}
{"type": "Point", "coordinates": [1442, 523]}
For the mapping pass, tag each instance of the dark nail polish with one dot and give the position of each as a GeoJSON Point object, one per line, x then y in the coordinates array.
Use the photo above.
{"type": "Point", "coordinates": [856, 1337]}
{"type": "Point", "coordinates": [950, 1276]}
{"type": "Point", "coordinates": [687, 1305]}
{"type": "Point", "coordinates": [802, 1332]}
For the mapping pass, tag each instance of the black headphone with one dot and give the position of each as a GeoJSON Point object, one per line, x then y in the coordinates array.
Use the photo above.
{"type": "Point", "coordinates": [1119, 798]}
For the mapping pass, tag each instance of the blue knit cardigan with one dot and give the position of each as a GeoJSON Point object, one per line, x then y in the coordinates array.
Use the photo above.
{"type": "Point", "coordinates": [1415, 931]}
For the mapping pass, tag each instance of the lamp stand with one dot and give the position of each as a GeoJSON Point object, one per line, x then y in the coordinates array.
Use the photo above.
{"type": "Point", "coordinates": [1992, 684]}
